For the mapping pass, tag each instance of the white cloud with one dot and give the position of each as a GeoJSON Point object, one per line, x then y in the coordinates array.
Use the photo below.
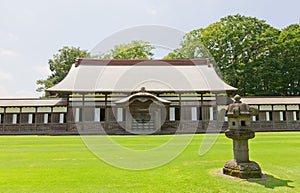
{"type": "Point", "coordinates": [43, 70]}
{"type": "Point", "coordinates": [152, 12]}
{"type": "Point", "coordinates": [12, 36]}
{"type": "Point", "coordinates": [4, 76]}
{"type": "Point", "coordinates": [8, 36]}
{"type": "Point", "coordinates": [26, 94]}
{"type": "Point", "coordinates": [3, 92]}
{"type": "Point", "coordinates": [8, 53]}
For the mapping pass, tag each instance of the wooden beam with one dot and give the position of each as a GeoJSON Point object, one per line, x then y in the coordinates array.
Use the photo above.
{"type": "Point", "coordinates": [180, 113]}
{"type": "Point", "coordinates": [4, 119]}
{"type": "Point", "coordinates": [202, 121]}
{"type": "Point", "coordinates": [35, 120]}
{"type": "Point", "coordinates": [106, 112]}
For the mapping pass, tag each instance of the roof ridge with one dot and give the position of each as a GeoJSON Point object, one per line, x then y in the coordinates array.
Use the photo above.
{"type": "Point", "coordinates": [93, 61]}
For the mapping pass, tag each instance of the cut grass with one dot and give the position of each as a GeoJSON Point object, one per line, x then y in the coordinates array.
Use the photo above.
{"type": "Point", "coordinates": [65, 164]}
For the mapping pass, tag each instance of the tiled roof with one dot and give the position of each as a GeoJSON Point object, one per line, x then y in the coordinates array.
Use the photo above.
{"type": "Point", "coordinates": [91, 75]}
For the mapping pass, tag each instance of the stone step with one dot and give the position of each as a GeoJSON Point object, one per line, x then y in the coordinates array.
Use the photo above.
{"type": "Point", "coordinates": [148, 125]}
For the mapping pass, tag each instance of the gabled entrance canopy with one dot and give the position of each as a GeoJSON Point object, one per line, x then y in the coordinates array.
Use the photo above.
{"type": "Point", "coordinates": [142, 96]}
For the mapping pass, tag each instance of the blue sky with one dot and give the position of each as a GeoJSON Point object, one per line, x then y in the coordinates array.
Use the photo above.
{"type": "Point", "coordinates": [31, 31]}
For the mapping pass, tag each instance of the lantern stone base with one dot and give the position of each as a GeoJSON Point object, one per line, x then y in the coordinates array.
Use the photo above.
{"type": "Point", "coordinates": [242, 170]}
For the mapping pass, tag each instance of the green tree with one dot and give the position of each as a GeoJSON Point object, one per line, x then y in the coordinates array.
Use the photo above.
{"type": "Point", "coordinates": [263, 74]}
{"type": "Point", "coordinates": [136, 49]}
{"type": "Point", "coordinates": [239, 45]}
{"type": "Point", "coordinates": [289, 43]}
{"type": "Point", "coordinates": [190, 48]}
{"type": "Point", "coordinates": [60, 65]}
{"type": "Point", "coordinates": [61, 62]}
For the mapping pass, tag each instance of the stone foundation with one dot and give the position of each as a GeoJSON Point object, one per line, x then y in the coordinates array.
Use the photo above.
{"type": "Point", "coordinates": [242, 170]}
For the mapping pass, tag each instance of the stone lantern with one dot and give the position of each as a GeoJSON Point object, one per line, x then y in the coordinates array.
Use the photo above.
{"type": "Point", "coordinates": [239, 116]}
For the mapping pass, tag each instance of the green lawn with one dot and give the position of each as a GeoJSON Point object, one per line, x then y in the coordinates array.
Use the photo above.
{"type": "Point", "coordinates": [64, 164]}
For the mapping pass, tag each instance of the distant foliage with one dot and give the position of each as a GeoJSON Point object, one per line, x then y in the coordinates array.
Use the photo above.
{"type": "Point", "coordinates": [134, 50]}
{"type": "Point", "coordinates": [289, 57]}
{"type": "Point", "coordinates": [61, 62]}
{"type": "Point", "coordinates": [60, 65]}
{"type": "Point", "coordinates": [252, 56]}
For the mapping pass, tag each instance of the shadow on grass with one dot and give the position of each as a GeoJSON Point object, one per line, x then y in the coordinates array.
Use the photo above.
{"type": "Point", "coordinates": [273, 182]}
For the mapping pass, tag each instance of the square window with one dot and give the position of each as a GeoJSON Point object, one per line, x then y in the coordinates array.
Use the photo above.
{"type": "Point", "coordinates": [102, 114]}
{"type": "Point", "coordinates": [15, 118]}
{"type": "Point", "coordinates": [61, 118]}
{"type": "Point", "coordinates": [31, 118]}
{"type": "Point", "coordinates": [243, 123]}
{"type": "Point", "coordinates": [119, 114]}
{"type": "Point", "coordinates": [172, 114]}
{"type": "Point", "coordinates": [78, 115]}
{"type": "Point", "coordinates": [177, 113]}
{"type": "Point", "coordinates": [47, 118]}
{"type": "Point", "coordinates": [194, 114]}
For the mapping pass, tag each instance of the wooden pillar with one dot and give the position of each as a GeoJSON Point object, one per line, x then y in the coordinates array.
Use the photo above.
{"type": "Point", "coordinates": [51, 118]}
{"type": "Point", "coordinates": [215, 108]}
{"type": "Point", "coordinates": [286, 118]}
{"type": "Point", "coordinates": [180, 112]}
{"type": "Point", "coordinates": [106, 113]}
{"type": "Point", "coordinates": [82, 112]}
{"type": "Point", "coordinates": [128, 118]}
{"type": "Point", "coordinates": [35, 119]}
{"type": "Point", "coordinates": [157, 117]}
{"type": "Point", "coordinates": [298, 120]}
{"type": "Point", "coordinates": [4, 120]}
{"type": "Point", "coordinates": [258, 107]}
{"type": "Point", "coordinates": [67, 114]}
{"type": "Point", "coordinates": [83, 100]}
{"type": "Point", "coordinates": [19, 119]}
{"type": "Point", "coordinates": [202, 122]}
{"type": "Point", "coordinates": [271, 115]}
